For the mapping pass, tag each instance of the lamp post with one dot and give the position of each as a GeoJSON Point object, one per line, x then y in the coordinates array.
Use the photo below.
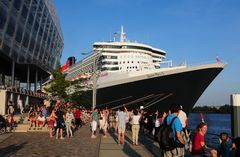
{"type": "Point", "coordinates": [94, 94]}
{"type": "Point", "coordinates": [95, 75]}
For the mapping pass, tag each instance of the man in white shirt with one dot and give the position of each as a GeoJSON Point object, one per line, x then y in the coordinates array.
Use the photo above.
{"type": "Point", "coordinates": [183, 118]}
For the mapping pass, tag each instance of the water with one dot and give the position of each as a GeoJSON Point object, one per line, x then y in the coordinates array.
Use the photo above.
{"type": "Point", "coordinates": [217, 123]}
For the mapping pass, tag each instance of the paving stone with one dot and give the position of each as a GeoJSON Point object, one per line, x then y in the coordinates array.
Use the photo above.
{"type": "Point", "coordinates": [39, 144]}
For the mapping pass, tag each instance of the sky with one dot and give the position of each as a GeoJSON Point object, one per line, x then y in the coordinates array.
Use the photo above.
{"type": "Point", "coordinates": [191, 31]}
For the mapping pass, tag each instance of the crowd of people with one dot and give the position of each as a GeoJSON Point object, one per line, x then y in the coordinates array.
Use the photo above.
{"type": "Point", "coordinates": [58, 118]}
{"type": "Point", "coordinates": [153, 124]}
{"type": "Point", "coordinates": [63, 117]}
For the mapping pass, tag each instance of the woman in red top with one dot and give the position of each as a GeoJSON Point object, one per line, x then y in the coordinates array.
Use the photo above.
{"type": "Point", "coordinates": [51, 122]}
{"type": "Point", "coordinates": [198, 144]}
{"type": "Point", "coordinates": [198, 141]}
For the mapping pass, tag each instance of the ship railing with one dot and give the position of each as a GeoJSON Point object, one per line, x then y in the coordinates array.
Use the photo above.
{"type": "Point", "coordinates": [169, 64]}
{"type": "Point", "coordinates": [207, 62]}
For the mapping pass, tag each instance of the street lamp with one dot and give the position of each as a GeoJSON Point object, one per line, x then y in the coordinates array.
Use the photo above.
{"type": "Point", "coordinates": [95, 74]}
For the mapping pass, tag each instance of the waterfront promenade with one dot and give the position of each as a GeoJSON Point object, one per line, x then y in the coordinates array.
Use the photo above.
{"type": "Point", "coordinates": [81, 145]}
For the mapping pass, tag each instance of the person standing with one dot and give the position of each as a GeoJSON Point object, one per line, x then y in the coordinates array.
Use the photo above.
{"type": "Point", "coordinates": [135, 126]}
{"type": "Point", "coordinates": [105, 122]}
{"type": "Point", "coordinates": [20, 105]}
{"type": "Point", "coordinates": [47, 103]}
{"type": "Point", "coordinates": [183, 119]}
{"type": "Point", "coordinates": [176, 126]}
{"type": "Point", "coordinates": [60, 123]}
{"type": "Point", "coordinates": [121, 124]}
{"type": "Point", "coordinates": [44, 111]}
{"type": "Point", "coordinates": [107, 116]}
{"type": "Point", "coordinates": [51, 122]}
{"type": "Point", "coordinates": [10, 107]}
{"type": "Point", "coordinates": [69, 120]}
{"type": "Point", "coordinates": [156, 120]}
{"type": "Point", "coordinates": [77, 115]}
{"type": "Point", "coordinates": [94, 117]}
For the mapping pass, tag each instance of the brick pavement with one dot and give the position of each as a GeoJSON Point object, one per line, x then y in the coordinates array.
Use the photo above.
{"type": "Point", "coordinates": [36, 144]}
{"type": "Point", "coordinates": [39, 144]}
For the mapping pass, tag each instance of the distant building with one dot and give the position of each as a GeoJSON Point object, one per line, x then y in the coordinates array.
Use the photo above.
{"type": "Point", "coordinates": [31, 41]}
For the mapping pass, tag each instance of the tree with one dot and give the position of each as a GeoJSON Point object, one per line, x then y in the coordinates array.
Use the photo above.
{"type": "Point", "coordinates": [58, 84]}
{"type": "Point", "coordinates": [80, 92]}
{"type": "Point", "coordinates": [213, 109]}
{"type": "Point", "coordinates": [82, 98]}
{"type": "Point", "coordinates": [225, 109]}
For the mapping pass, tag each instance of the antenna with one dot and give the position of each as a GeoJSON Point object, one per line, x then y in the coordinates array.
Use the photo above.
{"type": "Point", "coordinates": [123, 35]}
{"type": "Point", "coordinates": [114, 36]}
{"type": "Point", "coordinates": [110, 35]}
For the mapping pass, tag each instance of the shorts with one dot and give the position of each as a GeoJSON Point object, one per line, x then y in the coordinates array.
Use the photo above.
{"type": "Point", "coordinates": [33, 119]}
{"type": "Point", "coordinates": [40, 122]}
{"type": "Point", "coordinates": [94, 125]}
{"type": "Point", "coordinates": [121, 128]}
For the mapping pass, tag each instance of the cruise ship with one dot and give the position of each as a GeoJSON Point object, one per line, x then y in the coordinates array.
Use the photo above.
{"type": "Point", "coordinates": [136, 75]}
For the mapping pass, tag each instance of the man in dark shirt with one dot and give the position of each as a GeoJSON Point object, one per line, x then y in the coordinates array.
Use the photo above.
{"type": "Point", "coordinates": [60, 123]}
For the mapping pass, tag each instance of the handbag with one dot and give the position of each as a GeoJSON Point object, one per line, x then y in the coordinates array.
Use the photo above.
{"type": "Point", "coordinates": [55, 124]}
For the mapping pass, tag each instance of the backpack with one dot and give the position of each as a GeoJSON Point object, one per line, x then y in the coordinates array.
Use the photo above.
{"type": "Point", "coordinates": [166, 136]}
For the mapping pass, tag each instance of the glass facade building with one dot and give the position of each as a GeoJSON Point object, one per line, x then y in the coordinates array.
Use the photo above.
{"type": "Point", "coordinates": [31, 40]}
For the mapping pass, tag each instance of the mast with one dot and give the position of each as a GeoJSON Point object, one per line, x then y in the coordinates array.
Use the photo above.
{"type": "Point", "coordinates": [123, 35]}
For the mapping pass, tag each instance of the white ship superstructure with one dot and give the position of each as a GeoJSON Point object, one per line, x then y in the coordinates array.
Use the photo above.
{"type": "Point", "coordinates": [118, 57]}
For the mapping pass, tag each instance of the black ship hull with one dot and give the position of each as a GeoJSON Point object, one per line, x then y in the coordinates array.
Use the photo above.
{"type": "Point", "coordinates": [159, 93]}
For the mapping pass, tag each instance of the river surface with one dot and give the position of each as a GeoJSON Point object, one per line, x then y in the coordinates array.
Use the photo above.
{"type": "Point", "coordinates": [217, 123]}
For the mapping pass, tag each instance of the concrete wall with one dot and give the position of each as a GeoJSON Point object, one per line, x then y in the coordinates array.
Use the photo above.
{"type": "Point", "coordinates": [3, 101]}
{"type": "Point", "coordinates": [13, 96]}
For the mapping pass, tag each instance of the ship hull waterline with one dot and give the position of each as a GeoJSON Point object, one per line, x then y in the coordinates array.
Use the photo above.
{"type": "Point", "coordinates": [159, 93]}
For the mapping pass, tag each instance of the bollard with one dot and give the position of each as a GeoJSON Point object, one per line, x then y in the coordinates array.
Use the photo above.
{"type": "Point", "coordinates": [235, 116]}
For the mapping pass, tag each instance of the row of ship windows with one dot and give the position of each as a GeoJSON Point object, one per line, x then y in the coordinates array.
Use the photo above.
{"type": "Point", "coordinates": [117, 68]}
{"type": "Point", "coordinates": [130, 56]}
{"type": "Point", "coordinates": [116, 63]}
{"type": "Point", "coordinates": [107, 68]}
{"type": "Point", "coordinates": [128, 62]}
{"type": "Point", "coordinates": [131, 67]}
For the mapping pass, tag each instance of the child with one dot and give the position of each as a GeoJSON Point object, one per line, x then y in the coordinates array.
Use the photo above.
{"type": "Point", "coordinates": [224, 146]}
